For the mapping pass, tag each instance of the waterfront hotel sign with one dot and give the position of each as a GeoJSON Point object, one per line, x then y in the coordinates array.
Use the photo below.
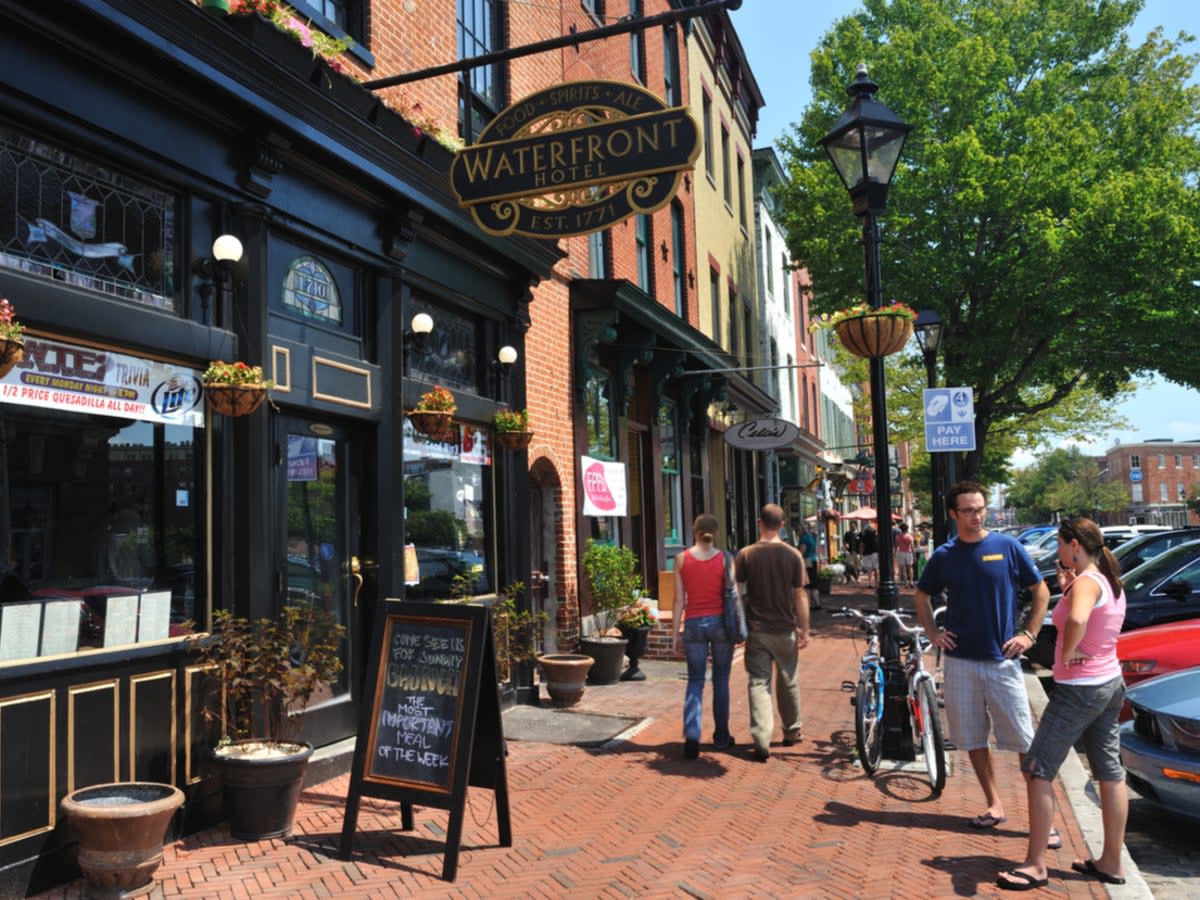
{"type": "Point", "coordinates": [574, 159]}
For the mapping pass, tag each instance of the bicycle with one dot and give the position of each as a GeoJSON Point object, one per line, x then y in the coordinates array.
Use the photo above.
{"type": "Point", "coordinates": [869, 696]}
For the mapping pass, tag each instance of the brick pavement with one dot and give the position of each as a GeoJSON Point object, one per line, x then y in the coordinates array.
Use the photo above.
{"type": "Point", "coordinates": [633, 819]}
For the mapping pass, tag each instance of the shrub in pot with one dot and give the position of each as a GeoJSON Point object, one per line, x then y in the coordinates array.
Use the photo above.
{"type": "Point", "coordinates": [267, 670]}
{"type": "Point", "coordinates": [614, 584]}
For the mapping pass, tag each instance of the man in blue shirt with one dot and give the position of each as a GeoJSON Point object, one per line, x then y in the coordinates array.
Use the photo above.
{"type": "Point", "coordinates": [983, 574]}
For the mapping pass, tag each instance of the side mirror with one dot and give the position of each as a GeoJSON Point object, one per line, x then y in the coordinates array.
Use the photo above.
{"type": "Point", "coordinates": [1177, 590]}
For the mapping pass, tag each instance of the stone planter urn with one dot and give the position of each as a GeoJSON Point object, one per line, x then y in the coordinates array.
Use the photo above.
{"type": "Point", "coordinates": [609, 654]}
{"type": "Point", "coordinates": [634, 650]}
{"type": "Point", "coordinates": [120, 829]}
{"type": "Point", "coordinates": [565, 676]}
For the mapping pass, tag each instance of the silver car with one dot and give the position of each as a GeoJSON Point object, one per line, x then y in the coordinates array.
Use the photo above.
{"type": "Point", "coordinates": [1160, 748]}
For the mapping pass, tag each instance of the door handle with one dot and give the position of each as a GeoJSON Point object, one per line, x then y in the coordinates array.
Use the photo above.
{"type": "Point", "coordinates": [356, 574]}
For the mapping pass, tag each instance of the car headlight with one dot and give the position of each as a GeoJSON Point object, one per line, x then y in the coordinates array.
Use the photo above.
{"type": "Point", "coordinates": [1138, 666]}
{"type": "Point", "coordinates": [1183, 733]}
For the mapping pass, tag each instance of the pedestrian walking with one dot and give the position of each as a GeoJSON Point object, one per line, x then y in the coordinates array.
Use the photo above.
{"type": "Point", "coordinates": [1086, 702]}
{"type": "Point", "coordinates": [904, 554]}
{"type": "Point", "coordinates": [870, 553]}
{"type": "Point", "coordinates": [771, 576]}
{"type": "Point", "coordinates": [700, 576]}
{"type": "Point", "coordinates": [852, 547]}
{"type": "Point", "coordinates": [984, 688]}
{"type": "Point", "coordinates": [807, 545]}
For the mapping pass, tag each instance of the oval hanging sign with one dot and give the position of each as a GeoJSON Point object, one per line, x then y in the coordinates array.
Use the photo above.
{"type": "Point", "coordinates": [574, 159]}
{"type": "Point", "coordinates": [762, 434]}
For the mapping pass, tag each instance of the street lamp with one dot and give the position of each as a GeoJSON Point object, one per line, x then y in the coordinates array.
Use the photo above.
{"type": "Point", "coordinates": [865, 145]}
{"type": "Point", "coordinates": [929, 332]}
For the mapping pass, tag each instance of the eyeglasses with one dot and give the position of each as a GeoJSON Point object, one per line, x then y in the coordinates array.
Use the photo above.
{"type": "Point", "coordinates": [973, 511]}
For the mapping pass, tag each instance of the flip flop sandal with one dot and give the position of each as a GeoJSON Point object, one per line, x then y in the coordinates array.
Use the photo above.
{"type": "Point", "coordinates": [1024, 881]}
{"type": "Point", "coordinates": [986, 820]}
{"type": "Point", "coordinates": [1056, 841]}
{"type": "Point", "coordinates": [1089, 867]}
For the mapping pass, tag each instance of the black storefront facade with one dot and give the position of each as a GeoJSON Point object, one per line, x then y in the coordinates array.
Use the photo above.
{"type": "Point", "coordinates": [132, 134]}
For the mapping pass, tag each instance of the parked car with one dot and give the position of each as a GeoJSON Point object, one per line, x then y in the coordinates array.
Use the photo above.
{"type": "Point", "coordinates": [1033, 532]}
{"type": "Point", "coordinates": [1160, 748]}
{"type": "Point", "coordinates": [1158, 650]}
{"type": "Point", "coordinates": [1163, 589]}
{"type": "Point", "coordinates": [1146, 546]}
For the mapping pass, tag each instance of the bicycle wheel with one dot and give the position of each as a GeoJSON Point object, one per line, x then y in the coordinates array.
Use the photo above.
{"type": "Point", "coordinates": [930, 726]}
{"type": "Point", "coordinates": [868, 731]}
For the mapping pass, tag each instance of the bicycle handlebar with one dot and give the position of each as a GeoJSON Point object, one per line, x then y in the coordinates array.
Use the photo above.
{"type": "Point", "coordinates": [875, 619]}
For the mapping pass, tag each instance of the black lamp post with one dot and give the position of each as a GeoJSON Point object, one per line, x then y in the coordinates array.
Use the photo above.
{"type": "Point", "coordinates": [865, 145]}
{"type": "Point", "coordinates": [929, 331]}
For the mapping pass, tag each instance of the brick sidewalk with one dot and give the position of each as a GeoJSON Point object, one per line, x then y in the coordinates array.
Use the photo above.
{"type": "Point", "coordinates": [633, 819]}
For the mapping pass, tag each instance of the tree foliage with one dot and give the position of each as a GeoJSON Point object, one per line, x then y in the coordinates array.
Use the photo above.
{"type": "Point", "coordinates": [1064, 481]}
{"type": "Point", "coordinates": [1046, 203]}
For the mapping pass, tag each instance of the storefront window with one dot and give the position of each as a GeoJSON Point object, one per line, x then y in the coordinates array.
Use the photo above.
{"type": "Point", "coordinates": [69, 219]}
{"type": "Point", "coordinates": [448, 510]}
{"type": "Point", "coordinates": [451, 353]}
{"type": "Point", "coordinates": [99, 501]}
{"type": "Point", "coordinates": [598, 409]}
{"type": "Point", "coordinates": [672, 499]}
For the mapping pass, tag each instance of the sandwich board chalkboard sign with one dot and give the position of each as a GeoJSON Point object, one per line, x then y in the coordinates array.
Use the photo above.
{"type": "Point", "coordinates": [432, 726]}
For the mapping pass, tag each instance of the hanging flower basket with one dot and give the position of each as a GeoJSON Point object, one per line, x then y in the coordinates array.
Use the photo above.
{"type": "Point", "coordinates": [514, 440]}
{"type": "Point", "coordinates": [234, 399]}
{"type": "Point", "coordinates": [12, 348]}
{"type": "Point", "coordinates": [435, 425]}
{"type": "Point", "coordinates": [876, 335]}
{"type": "Point", "coordinates": [11, 352]}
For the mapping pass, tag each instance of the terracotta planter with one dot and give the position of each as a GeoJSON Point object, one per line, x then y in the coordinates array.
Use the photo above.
{"type": "Point", "coordinates": [438, 426]}
{"type": "Point", "coordinates": [11, 353]}
{"type": "Point", "coordinates": [120, 829]}
{"type": "Point", "coordinates": [873, 336]}
{"type": "Point", "coordinates": [261, 792]}
{"type": "Point", "coordinates": [565, 676]}
{"type": "Point", "coordinates": [514, 440]}
{"type": "Point", "coordinates": [234, 399]}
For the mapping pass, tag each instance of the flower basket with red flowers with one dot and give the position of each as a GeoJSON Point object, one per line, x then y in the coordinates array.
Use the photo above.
{"type": "Point", "coordinates": [12, 347]}
{"type": "Point", "coordinates": [433, 415]}
{"type": "Point", "coordinates": [869, 332]}
{"type": "Point", "coordinates": [234, 389]}
{"type": "Point", "coordinates": [512, 429]}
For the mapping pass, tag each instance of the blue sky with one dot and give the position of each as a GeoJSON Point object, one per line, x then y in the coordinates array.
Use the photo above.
{"type": "Point", "coordinates": [779, 35]}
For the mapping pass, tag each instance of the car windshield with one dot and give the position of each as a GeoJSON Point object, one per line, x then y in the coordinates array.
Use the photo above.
{"type": "Point", "coordinates": [1165, 564]}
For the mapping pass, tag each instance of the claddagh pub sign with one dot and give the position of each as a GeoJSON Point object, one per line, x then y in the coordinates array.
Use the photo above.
{"type": "Point", "coordinates": [574, 159]}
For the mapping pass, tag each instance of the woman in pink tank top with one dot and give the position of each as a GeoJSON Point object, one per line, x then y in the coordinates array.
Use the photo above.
{"type": "Point", "coordinates": [700, 632]}
{"type": "Point", "coordinates": [1088, 692]}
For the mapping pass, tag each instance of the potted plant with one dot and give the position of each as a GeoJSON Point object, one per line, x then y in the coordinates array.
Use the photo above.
{"type": "Point", "coordinates": [434, 414]}
{"type": "Point", "coordinates": [824, 581]}
{"type": "Point", "coordinates": [635, 624]}
{"type": "Point", "coordinates": [515, 631]}
{"type": "Point", "coordinates": [12, 344]}
{"type": "Point", "coordinates": [869, 332]}
{"type": "Point", "coordinates": [234, 389]}
{"type": "Point", "coordinates": [512, 429]}
{"type": "Point", "coordinates": [614, 583]}
{"type": "Point", "coordinates": [267, 671]}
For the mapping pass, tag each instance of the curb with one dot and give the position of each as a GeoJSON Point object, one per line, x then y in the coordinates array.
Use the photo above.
{"type": "Point", "coordinates": [1085, 806]}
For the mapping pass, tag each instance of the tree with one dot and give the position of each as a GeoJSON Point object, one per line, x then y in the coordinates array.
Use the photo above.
{"type": "Point", "coordinates": [1046, 203]}
{"type": "Point", "coordinates": [1064, 481]}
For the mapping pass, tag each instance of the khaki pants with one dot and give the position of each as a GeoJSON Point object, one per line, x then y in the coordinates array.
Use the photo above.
{"type": "Point", "coordinates": [764, 650]}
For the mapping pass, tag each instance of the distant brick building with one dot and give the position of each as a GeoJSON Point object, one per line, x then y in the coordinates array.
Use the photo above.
{"type": "Point", "coordinates": [1159, 476]}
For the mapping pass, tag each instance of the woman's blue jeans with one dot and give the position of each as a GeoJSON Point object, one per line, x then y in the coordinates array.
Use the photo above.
{"type": "Point", "coordinates": [701, 637]}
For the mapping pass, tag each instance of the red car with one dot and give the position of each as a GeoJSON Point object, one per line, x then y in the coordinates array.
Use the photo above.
{"type": "Point", "coordinates": [1158, 650]}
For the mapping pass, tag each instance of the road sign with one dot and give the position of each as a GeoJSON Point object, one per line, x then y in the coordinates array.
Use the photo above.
{"type": "Point", "coordinates": [949, 419]}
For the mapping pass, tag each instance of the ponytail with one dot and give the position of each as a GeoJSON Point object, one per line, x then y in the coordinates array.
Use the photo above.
{"type": "Point", "coordinates": [1111, 569]}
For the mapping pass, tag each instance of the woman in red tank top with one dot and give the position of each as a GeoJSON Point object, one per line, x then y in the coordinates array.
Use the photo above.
{"type": "Point", "coordinates": [700, 632]}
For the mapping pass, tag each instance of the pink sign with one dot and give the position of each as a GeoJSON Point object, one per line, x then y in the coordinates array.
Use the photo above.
{"type": "Point", "coordinates": [603, 487]}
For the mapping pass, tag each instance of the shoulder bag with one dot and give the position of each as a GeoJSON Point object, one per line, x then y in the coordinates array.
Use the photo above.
{"type": "Point", "coordinates": [734, 612]}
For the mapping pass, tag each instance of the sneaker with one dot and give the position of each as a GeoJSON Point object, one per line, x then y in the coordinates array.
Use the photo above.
{"type": "Point", "coordinates": [791, 740]}
{"type": "Point", "coordinates": [691, 749]}
{"type": "Point", "coordinates": [761, 755]}
{"type": "Point", "coordinates": [727, 745]}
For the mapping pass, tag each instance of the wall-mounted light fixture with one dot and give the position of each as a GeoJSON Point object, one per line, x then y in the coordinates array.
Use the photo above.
{"type": "Point", "coordinates": [216, 270]}
{"type": "Point", "coordinates": [418, 330]}
{"type": "Point", "coordinates": [506, 356]}
{"type": "Point", "coordinates": [665, 251]}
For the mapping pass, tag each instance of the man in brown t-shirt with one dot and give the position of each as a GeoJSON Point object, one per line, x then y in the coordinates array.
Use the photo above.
{"type": "Point", "coordinates": [771, 576]}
